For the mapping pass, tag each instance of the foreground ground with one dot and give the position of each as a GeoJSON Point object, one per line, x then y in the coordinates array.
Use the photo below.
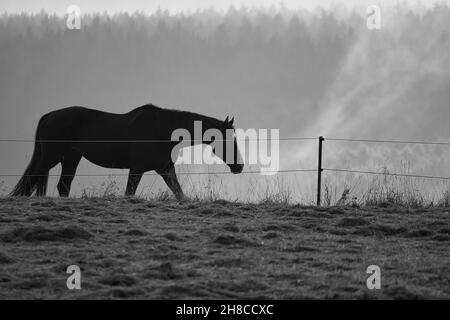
{"type": "Point", "coordinates": [131, 248]}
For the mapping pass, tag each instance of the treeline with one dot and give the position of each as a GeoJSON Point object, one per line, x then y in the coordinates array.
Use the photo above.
{"type": "Point", "coordinates": [252, 59]}
{"type": "Point", "coordinates": [268, 64]}
{"type": "Point", "coordinates": [237, 24]}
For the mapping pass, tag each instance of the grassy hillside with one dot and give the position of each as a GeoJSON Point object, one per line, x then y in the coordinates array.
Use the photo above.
{"type": "Point", "coordinates": [133, 248]}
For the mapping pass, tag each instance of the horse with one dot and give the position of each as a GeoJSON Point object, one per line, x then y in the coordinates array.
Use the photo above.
{"type": "Point", "coordinates": [139, 140]}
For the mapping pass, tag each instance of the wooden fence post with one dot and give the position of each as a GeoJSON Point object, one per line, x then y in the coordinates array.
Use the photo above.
{"type": "Point", "coordinates": [319, 171]}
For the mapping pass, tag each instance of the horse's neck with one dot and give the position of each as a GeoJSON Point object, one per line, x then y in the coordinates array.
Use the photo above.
{"type": "Point", "coordinates": [174, 119]}
{"type": "Point", "coordinates": [206, 124]}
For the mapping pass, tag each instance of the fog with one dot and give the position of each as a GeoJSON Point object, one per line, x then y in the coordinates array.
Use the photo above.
{"type": "Point", "coordinates": [307, 73]}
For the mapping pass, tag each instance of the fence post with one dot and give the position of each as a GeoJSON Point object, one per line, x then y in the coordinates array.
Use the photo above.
{"type": "Point", "coordinates": [319, 171]}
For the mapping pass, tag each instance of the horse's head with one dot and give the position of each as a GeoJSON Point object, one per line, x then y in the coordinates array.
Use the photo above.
{"type": "Point", "coordinates": [230, 153]}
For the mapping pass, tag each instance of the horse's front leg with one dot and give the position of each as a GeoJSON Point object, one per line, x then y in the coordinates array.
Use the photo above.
{"type": "Point", "coordinates": [170, 177]}
{"type": "Point", "coordinates": [134, 177]}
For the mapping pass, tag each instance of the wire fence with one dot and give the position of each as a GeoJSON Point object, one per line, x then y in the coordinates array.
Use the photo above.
{"type": "Point", "coordinates": [239, 139]}
{"type": "Point", "coordinates": [389, 141]}
{"type": "Point", "coordinates": [436, 143]}
{"type": "Point", "coordinates": [156, 174]}
{"type": "Point", "coordinates": [155, 140]}
{"type": "Point", "coordinates": [387, 174]}
{"type": "Point", "coordinates": [319, 169]}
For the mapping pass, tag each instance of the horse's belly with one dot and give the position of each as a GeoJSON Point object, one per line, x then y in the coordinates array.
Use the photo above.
{"type": "Point", "coordinates": [107, 157]}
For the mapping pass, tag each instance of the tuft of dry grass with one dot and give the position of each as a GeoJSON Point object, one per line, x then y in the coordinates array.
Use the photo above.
{"type": "Point", "coordinates": [385, 190]}
{"type": "Point", "coordinates": [337, 189]}
{"type": "Point", "coordinates": [109, 188]}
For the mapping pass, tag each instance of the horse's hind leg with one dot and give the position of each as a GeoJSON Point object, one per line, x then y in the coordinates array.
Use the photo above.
{"type": "Point", "coordinates": [41, 174]}
{"type": "Point", "coordinates": [170, 177]}
{"type": "Point", "coordinates": [69, 167]}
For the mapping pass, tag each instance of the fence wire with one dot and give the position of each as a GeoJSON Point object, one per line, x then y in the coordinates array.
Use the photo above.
{"type": "Point", "coordinates": [389, 141]}
{"type": "Point", "coordinates": [157, 174]}
{"type": "Point", "coordinates": [387, 174]}
{"type": "Point", "coordinates": [154, 140]}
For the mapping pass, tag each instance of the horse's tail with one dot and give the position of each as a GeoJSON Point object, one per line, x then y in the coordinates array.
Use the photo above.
{"type": "Point", "coordinates": [33, 178]}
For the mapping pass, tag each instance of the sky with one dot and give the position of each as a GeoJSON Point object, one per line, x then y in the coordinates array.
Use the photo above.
{"type": "Point", "coordinates": [174, 6]}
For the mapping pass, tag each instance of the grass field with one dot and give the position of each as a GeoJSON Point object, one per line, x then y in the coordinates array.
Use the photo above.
{"type": "Point", "coordinates": [135, 248]}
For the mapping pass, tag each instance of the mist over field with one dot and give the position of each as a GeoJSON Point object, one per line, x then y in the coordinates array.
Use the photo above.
{"type": "Point", "coordinates": [305, 72]}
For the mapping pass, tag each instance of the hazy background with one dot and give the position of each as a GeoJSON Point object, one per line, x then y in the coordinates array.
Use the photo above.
{"type": "Point", "coordinates": [308, 71]}
{"type": "Point", "coordinates": [189, 6]}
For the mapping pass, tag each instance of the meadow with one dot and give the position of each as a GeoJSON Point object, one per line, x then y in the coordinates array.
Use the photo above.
{"type": "Point", "coordinates": [135, 248]}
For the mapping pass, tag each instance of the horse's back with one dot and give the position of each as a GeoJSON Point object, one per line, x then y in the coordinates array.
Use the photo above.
{"type": "Point", "coordinates": [79, 113]}
{"type": "Point", "coordinates": [81, 122]}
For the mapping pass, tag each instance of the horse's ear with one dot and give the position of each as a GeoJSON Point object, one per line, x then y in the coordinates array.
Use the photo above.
{"type": "Point", "coordinates": [231, 121]}
{"type": "Point", "coordinates": [226, 120]}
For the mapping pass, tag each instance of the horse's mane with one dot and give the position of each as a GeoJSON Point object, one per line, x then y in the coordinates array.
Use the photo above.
{"type": "Point", "coordinates": [188, 114]}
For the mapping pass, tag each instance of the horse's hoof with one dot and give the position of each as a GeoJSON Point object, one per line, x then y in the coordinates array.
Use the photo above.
{"type": "Point", "coordinates": [183, 200]}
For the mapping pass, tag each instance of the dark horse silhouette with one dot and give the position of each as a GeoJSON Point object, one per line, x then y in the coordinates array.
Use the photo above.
{"type": "Point", "coordinates": [66, 135]}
